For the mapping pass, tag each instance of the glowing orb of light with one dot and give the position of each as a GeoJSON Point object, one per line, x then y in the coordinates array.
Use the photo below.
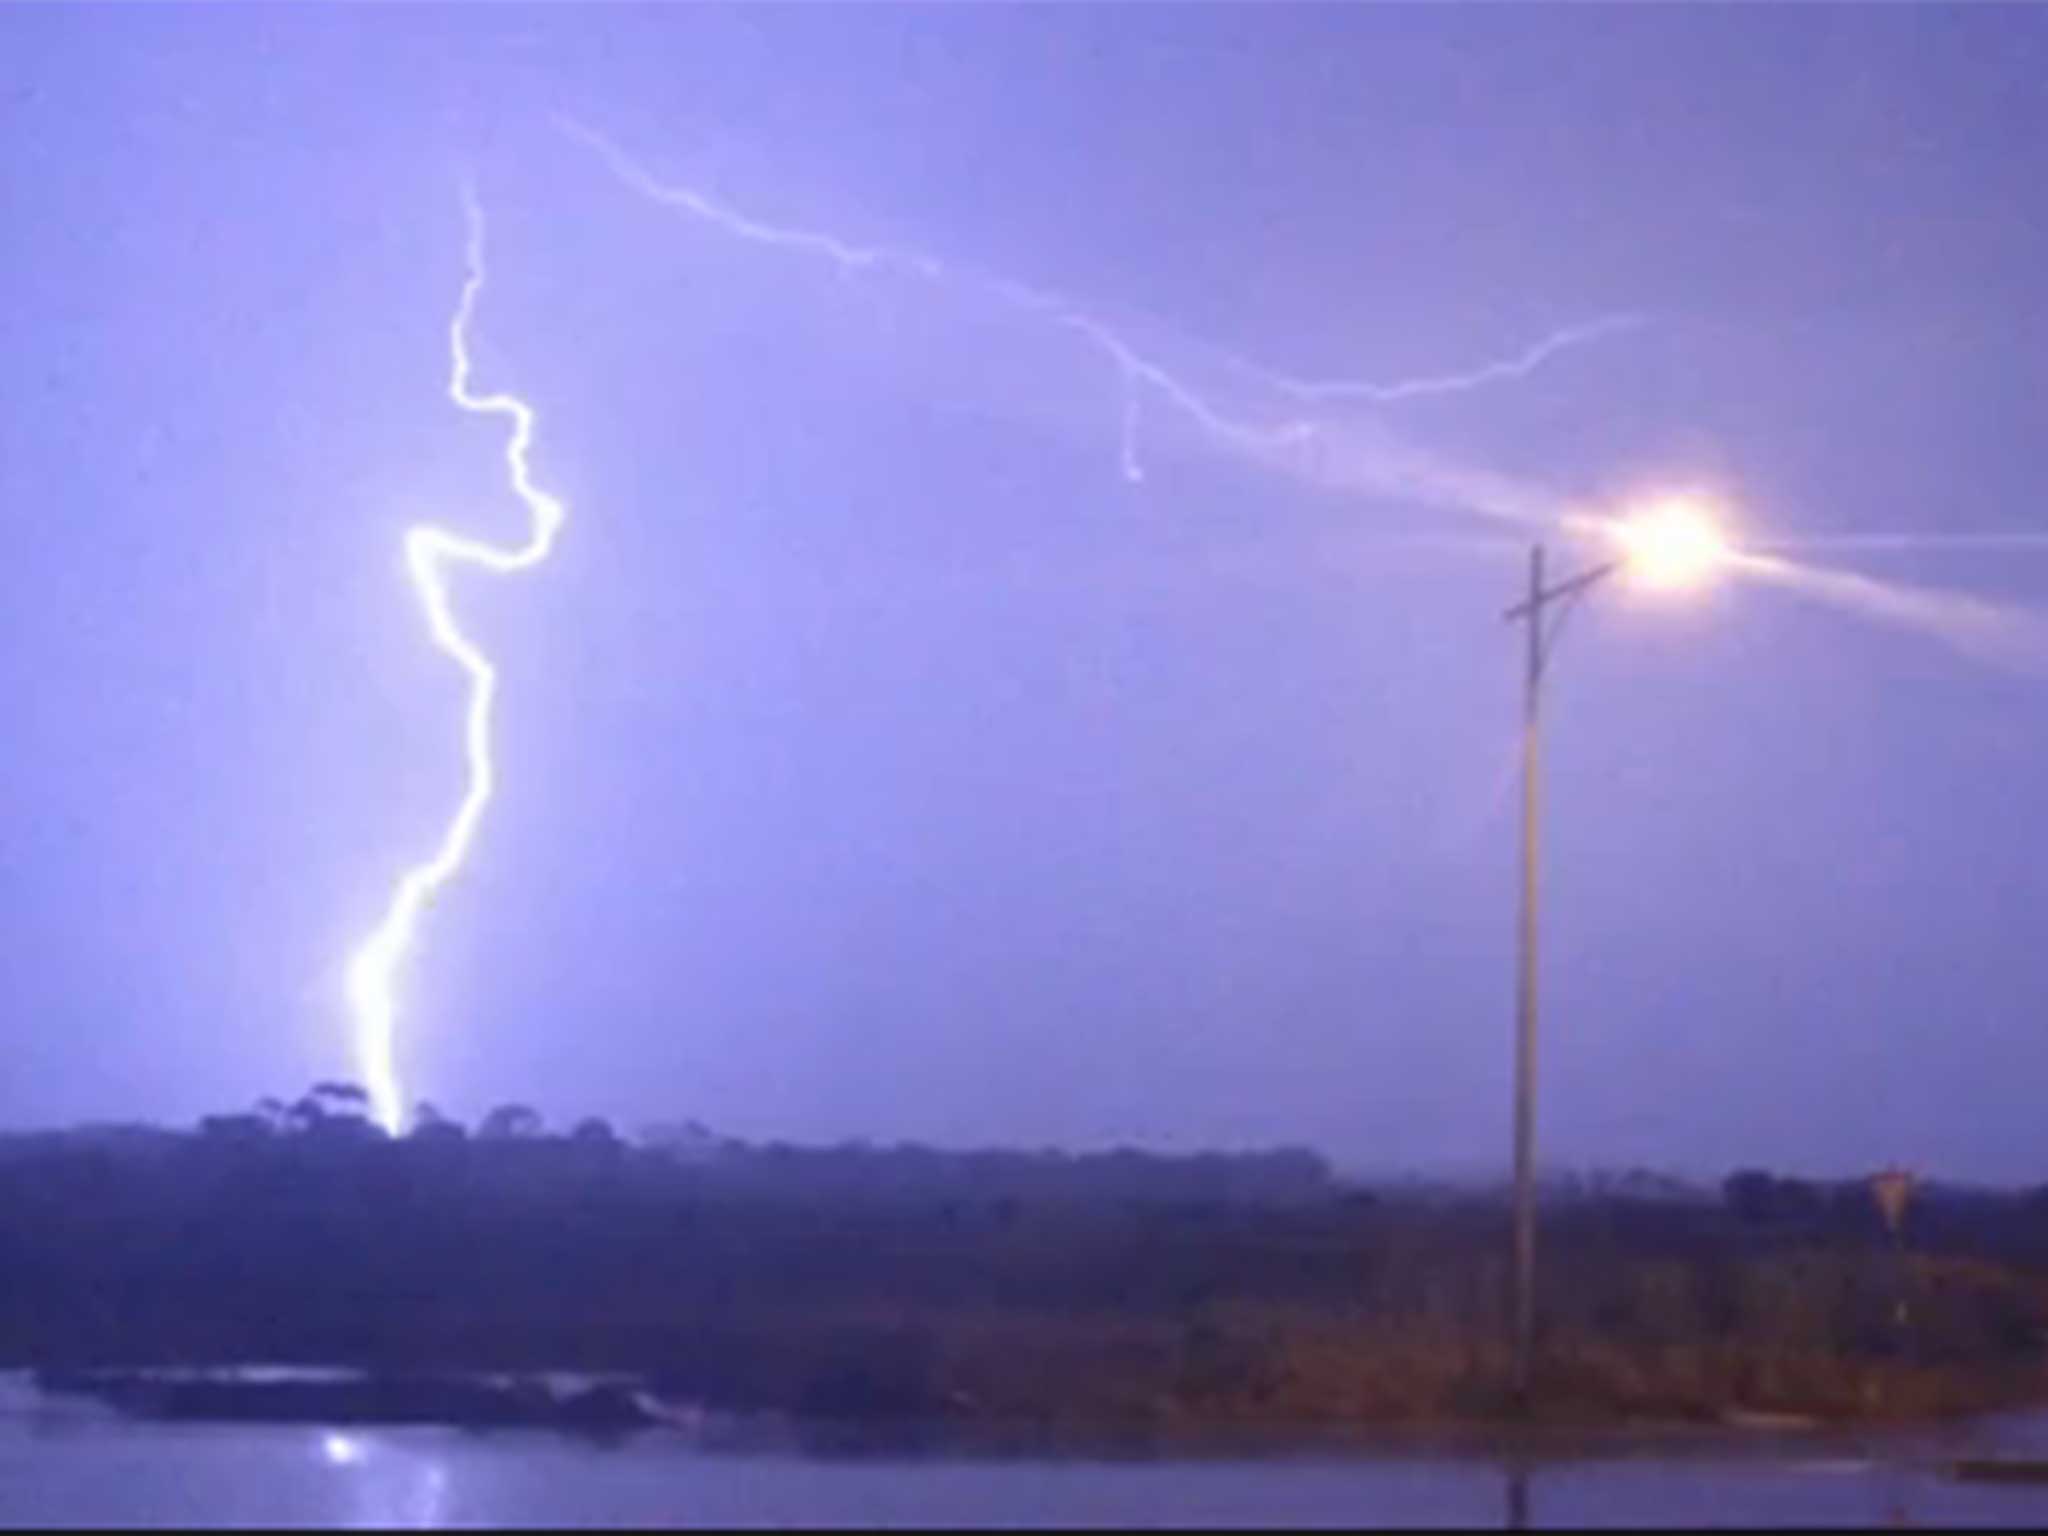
{"type": "Point", "coordinates": [1673, 543]}
{"type": "Point", "coordinates": [340, 1450]}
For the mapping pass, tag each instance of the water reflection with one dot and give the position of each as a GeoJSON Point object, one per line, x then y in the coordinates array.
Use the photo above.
{"type": "Point", "coordinates": [1518, 1497]}
{"type": "Point", "coordinates": [71, 1469]}
{"type": "Point", "coordinates": [384, 1483]}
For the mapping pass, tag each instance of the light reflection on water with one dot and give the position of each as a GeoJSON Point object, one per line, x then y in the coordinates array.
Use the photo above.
{"type": "Point", "coordinates": [74, 1466]}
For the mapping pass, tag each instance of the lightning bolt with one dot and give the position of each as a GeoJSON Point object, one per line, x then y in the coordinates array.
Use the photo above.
{"type": "Point", "coordinates": [1363, 455]}
{"type": "Point", "coordinates": [430, 553]}
{"type": "Point", "coordinates": [1501, 370]}
{"type": "Point", "coordinates": [1345, 455]}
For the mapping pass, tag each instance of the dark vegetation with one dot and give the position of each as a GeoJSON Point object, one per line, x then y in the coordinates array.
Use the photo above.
{"type": "Point", "coordinates": [1054, 1290]}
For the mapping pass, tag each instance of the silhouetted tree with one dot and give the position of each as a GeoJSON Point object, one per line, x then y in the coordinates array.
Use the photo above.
{"type": "Point", "coordinates": [305, 1114]}
{"type": "Point", "coordinates": [1758, 1198]}
{"type": "Point", "coordinates": [510, 1122]}
{"type": "Point", "coordinates": [429, 1125]}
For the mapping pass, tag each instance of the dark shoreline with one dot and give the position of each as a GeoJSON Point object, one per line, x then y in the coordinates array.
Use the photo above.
{"type": "Point", "coordinates": [617, 1407]}
{"type": "Point", "coordinates": [1012, 1294]}
{"type": "Point", "coordinates": [343, 1398]}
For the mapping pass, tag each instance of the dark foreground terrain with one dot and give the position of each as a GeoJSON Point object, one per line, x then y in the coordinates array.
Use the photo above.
{"type": "Point", "coordinates": [995, 1287]}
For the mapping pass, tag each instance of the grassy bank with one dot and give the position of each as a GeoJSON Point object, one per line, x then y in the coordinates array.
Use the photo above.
{"type": "Point", "coordinates": [909, 1285]}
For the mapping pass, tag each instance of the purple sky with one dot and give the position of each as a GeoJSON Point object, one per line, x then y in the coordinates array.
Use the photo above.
{"type": "Point", "coordinates": [877, 760]}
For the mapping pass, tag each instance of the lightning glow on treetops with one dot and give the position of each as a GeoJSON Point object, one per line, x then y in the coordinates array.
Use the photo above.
{"type": "Point", "coordinates": [430, 553]}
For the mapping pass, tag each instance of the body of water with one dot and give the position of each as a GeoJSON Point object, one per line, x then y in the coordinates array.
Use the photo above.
{"type": "Point", "coordinates": [69, 1464]}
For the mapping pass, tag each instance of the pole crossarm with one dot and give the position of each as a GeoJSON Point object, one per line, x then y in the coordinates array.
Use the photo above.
{"type": "Point", "coordinates": [1563, 597]}
{"type": "Point", "coordinates": [1567, 588]}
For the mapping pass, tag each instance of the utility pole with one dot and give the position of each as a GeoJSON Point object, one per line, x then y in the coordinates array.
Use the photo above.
{"type": "Point", "coordinates": [1532, 611]}
{"type": "Point", "coordinates": [1524, 1300]}
{"type": "Point", "coordinates": [1670, 544]}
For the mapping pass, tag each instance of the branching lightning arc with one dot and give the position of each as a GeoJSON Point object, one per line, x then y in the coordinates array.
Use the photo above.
{"type": "Point", "coordinates": [1340, 452]}
{"type": "Point", "coordinates": [1361, 455]}
{"type": "Point", "coordinates": [430, 553]}
{"type": "Point", "coordinates": [1344, 454]}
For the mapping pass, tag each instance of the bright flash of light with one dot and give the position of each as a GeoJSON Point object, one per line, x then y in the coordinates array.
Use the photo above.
{"type": "Point", "coordinates": [430, 552]}
{"type": "Point", "coordinates": [1682, 542]}
{"type": "Point", "coordinates": [1672, 543]}
{"type": "Point", "coordinates": [340, 1450]}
